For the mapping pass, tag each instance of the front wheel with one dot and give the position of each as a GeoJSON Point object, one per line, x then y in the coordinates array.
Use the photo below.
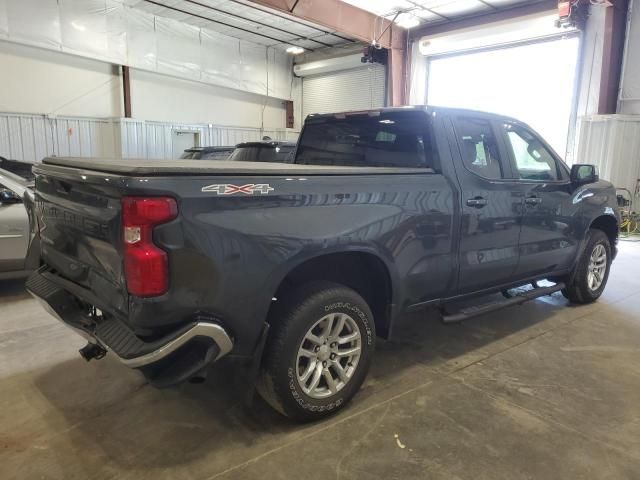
{"type": "Point", "coordinates": [592, 269]}
{"type": "Point", "coordinates": [319, 351]}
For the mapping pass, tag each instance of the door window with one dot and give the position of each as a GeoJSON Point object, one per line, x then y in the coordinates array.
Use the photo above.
{"type": "Point", "coordinates": [479, 148]}
{"type": "Point", "coordinates": [533, 160]}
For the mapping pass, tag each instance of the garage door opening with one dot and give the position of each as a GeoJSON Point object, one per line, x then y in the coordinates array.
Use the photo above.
{"type": "Point", "coordinates": [533, 82]}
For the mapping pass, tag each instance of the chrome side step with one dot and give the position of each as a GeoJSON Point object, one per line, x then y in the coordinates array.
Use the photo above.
{"type": "Point", "coordinates": [518, 299]}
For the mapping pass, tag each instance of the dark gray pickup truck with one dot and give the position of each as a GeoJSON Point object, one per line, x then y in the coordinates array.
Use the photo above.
{"type": "Point", "coordinates": [295, 269]}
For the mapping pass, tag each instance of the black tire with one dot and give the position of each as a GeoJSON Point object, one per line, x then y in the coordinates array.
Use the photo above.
{"type": "Point", "coordinates": [578, 290]}
{"type": "Point", "coordinates": [278, 382]}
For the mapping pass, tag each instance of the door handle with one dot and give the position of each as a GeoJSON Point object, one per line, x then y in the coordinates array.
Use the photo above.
{"type": "Point", "coordinates": [533, 200]}
{"type": "Point", "coordinates": [477, 202]}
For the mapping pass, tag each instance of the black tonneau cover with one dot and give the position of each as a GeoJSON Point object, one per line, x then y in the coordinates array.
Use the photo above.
{"type": "Point", "coordinates": [145, 167]}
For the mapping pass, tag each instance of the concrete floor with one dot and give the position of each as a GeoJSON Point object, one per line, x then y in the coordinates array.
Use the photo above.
{"type": "Point", "coordinates": [544, 391]}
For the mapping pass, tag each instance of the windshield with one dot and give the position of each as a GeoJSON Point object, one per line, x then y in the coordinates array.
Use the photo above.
{"type": "Point", "coordinates": [381, 139]}
{"type": "Point", "coordinates": [266, 153]}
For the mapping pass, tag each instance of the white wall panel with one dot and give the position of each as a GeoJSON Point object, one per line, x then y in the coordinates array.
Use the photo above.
{"type": "Point", "coordinates": [629, 101]}
{"type": "Point", "coordinates": [34, 22]}
{"type": "Point", "coordinates": [111, 31]}
{"type": "Point", "coordinates": [142, 46]}
{"type": "Point", "coordinates": [32, 137]}
{"type": "Point", "coordinates": [24, 137]}
{"type": "Point", "coordinates": [33, 80]}
{"type": "Point", "coordinates": [83, 26]}
{"type": "Point", "coordinates": [4, 21]}
{"type": "Point", "coordinates": [612, 142]}
{"type": "Point", "coordinates": [142, 139]}
{"type": "Point", "coordinates": [169, 99]}
{"type": "Point", "coordinates": [178, 48]}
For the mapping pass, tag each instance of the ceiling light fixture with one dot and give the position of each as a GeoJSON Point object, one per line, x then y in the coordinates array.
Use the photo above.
{"type": "Point", "coordinates": [407, 21]}
{"type": "Point", "coordinates": [293, 50]}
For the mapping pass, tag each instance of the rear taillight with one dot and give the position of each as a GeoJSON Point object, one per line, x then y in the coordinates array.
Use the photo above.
{"type": "Point", "coordinates": [145, 265]}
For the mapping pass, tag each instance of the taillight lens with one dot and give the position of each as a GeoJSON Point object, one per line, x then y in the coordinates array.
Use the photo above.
{"type": "Point", "coordinates": [146, 266]}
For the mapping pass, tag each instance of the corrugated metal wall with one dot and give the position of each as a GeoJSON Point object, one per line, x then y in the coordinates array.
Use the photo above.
{"type": "Point", "coordinates": [354, 89]}
{"type": "Point", "coordinates": [612, 142]}
{"type": "Point", "coordinates": [32, 137]}
{"type": "Point", "coordinates": [146, 139]}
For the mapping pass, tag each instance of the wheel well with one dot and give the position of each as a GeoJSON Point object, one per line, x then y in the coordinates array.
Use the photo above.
{"type": "Point", "coordinates": [363, 272]}
{"type": "Point", "coordinates": [608, 225]}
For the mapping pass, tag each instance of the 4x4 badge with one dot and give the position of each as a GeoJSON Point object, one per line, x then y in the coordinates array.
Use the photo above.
{"type": "Point", "coordinates": [229, 189]}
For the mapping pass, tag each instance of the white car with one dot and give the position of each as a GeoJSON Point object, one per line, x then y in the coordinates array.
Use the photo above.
{"type": "Point", "coordinates": [16, 202]}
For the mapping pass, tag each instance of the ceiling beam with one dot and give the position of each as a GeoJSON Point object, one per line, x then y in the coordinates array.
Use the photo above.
{"type": "Point", "coordinates": [530, 8]}
{"type": "Point", "coordinates": [340, 17]}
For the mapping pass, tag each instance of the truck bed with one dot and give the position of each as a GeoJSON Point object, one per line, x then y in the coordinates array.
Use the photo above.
{"type": "Point", "coordinates": [148, 167]}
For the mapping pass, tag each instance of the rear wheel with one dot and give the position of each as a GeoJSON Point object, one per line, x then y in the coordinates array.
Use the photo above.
{"type": "Point", "coordinates": [319, 351]}
{"type": "Point", "coordinates": [592, 269]}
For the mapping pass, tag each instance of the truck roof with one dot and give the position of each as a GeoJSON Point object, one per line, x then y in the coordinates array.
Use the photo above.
{"type": "Point", "coordinates": [414, 108]}
{"type": "Point", "coordinates": [266, 144]}
{"type": "Point", "coordinates": [210, 149]}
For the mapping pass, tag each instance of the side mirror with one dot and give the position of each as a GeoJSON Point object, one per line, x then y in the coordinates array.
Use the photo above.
{"type": "Point", "coordinates": [9, 196]}
{"type": "Point", "coordinates": [582, 173]}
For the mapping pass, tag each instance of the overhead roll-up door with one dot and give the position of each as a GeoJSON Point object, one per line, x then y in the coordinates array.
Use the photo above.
{"type": "Point", "coordinates": [359, 88]}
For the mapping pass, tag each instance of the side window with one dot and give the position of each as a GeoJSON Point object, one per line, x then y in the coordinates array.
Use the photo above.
{"type": "Point", "coordinates": [479, 148]}
{"type": "Point", "coordinates": [533, 160]}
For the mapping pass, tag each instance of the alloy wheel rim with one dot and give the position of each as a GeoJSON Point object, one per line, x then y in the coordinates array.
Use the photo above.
{"type": "Point", "coordinates": [597, 267]}
{"type": "Point", "coordinates": [328, 355]}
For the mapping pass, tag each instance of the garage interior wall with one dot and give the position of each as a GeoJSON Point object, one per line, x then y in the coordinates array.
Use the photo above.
{"type": "Point", "coordinates": [587, 91]}
{"type": "Point", "coordinates": [53, 76]}
{"type": "Point", "coordinates": [612, 141]}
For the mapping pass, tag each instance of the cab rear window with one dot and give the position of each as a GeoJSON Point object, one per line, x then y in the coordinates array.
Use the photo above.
{"type": "Point", "coordinates": [388, 139]}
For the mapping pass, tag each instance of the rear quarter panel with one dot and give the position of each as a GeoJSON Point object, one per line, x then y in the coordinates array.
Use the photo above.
{"type": "Point", "coordinates": [229, 253]}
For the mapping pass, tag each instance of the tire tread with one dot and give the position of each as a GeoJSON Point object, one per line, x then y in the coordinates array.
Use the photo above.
{"type": "Point", "coordinates": [283, 319]}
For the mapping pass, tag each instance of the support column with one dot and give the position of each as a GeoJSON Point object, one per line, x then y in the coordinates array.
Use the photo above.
{"type": "Point", "coordinates": [612, 55]}
{"type": "Point", "coordinates": [397, 69]}
{"type": "Point", "coordinates": [126, 86]}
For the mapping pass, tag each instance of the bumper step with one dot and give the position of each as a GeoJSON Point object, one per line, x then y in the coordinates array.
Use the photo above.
{"type": "Point", "coordinates": [116, 336]}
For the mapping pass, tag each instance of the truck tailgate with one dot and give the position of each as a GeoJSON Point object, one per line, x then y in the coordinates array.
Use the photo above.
{"type": "Point", "coordinates": [80, 232]}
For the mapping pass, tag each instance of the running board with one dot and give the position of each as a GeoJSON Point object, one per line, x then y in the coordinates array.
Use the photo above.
{"type": "Point", "coordinates": [474, 311]}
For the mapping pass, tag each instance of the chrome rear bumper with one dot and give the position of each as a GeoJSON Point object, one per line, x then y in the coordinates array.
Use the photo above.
{"type": "Point", "coordinates": [168, 360]}
{"type": "Point", "coordinates": [210, 330]}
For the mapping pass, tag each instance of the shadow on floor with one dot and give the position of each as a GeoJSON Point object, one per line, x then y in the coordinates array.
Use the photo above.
{"type": "Point", "coordinates": [13, 288]}
{"type": "Point", "coordinates": [113, 413]}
